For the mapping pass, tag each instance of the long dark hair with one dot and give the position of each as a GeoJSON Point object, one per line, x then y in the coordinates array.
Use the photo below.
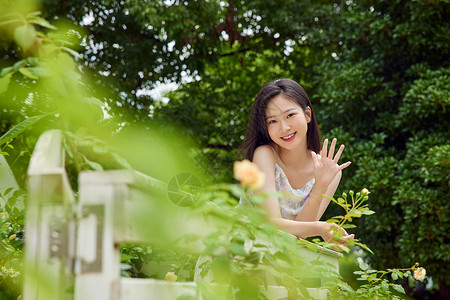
{"type": "Point", "coordinates": [257, 133]}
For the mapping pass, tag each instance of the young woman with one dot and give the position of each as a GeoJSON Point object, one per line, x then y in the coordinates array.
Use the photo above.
{"type": "Point", "coordinates": [283, 141]}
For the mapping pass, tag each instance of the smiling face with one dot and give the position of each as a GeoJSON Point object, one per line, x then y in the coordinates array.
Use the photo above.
{"type": "Point", "coordinates": [287, 123]}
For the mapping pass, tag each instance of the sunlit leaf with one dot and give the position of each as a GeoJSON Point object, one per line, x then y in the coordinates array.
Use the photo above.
{"type": "Point", "coordinates": [25, 36]}
{"type": "Point", "coordinates": [28, 73]}
{"type": "Point", "coordinates": [72, 52]}
{"type": "Point", "coordinates": [19, 128]}
{"type": "Point", "coordinates": [42, 22]}
{"type": "Point", "coordinates": [4, 83]}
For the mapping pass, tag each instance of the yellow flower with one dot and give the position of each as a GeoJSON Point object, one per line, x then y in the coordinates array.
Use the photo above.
{"type": "Point", "coordinates": [248, 174]}
{"type": "Point", "coordinates": [170, 276]}
{"type": "Point", "coordinates": [365, 191]}
{"type": "Point", "coordinates": [419, 273]}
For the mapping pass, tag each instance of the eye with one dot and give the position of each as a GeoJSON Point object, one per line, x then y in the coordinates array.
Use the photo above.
{"type": "Point", "coordinates": [290, 115]}
{"type": "Point", "coordinates": [271, 122]}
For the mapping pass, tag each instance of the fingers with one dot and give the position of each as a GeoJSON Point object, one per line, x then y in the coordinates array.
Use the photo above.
{"type": "Point", "coordinates": [315, 158]}
{"type": "Point", "coordinates": [345, 165]}
{"type": "Point", "coordinates": [338, 154]}
{"type": "Point", "coordinates": [344, 231]}
{"type": "Point", "coordinates": [330, 154]}
{"type": "Point", "coordinates": [324, 148]}
{"type": "Point", "coordinates": [333, 145]}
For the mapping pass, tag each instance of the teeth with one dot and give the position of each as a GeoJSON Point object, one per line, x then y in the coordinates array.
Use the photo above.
{"type": "Point", "coordinates": [288, 137]}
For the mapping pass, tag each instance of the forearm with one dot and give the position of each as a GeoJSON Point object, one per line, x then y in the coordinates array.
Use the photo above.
{"type": "Point", "coordinates": [313, 205]}
{"type": "Point", "coordinates": [323, 207]}
{"type": "Point", "coordinates": [299, 228]}
{"type": "Point", "coordinates": [316, 205]}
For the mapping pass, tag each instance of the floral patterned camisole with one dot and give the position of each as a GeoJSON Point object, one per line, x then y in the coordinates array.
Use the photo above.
{"type": "Point", "coordinates": [291, 200]}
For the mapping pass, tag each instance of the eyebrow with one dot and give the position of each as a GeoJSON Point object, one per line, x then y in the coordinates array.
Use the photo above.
{"type": "Point", "coordinates": [287, 110]}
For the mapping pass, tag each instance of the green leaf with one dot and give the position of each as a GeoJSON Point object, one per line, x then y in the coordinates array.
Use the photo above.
{"type": "Point", "coordinates": [42, 22]}
{"type": "Point", "coordinates": [25, 36]}
{"type": "Point", "coordinates": [95, 166]}
{"type": "Point", "coordinates": [10, 21]}
{"type": "Point", "coordinates": [394, 276]}
{"type": "Point", "coordinates": [384, 286]}
{"type": "Point", "coordinates": [122, 161]}
{"type": "Point", "coordinates": [33, 14]}
{"type": "Point", "coordinates": [72, 52]}
{"type": "Point", "coordinates": [368, 212]}
{"type": "Point", "coordinates": [4, 83]}
{"type": "Point", "coordinates": [39, 71]}
{"type": "Point", "coordinates": [19, 64]}
{"type": "Point", "coordinates": [363, 266]}
{"type": "Point", "coordinates": [32, 60]}
{"type": "Point", "coordinates": [344, 286]}
{"type": "Point", "coordinates": [28, 73]}
{"type": "Point", "coordinates": [356, 213]}
{"type": "Point", "coordinates": [348, 226]}
{"type": "Point", "coordinates": [364, 246]}
{"type": "Point", "coordinates": [6, 71]}
{"type": "Point", "coordinates": [312, 247]}
{"type": "Point", "coordinates": [398, 288]}
{"type": "Point", "coordinates": [19, 128]}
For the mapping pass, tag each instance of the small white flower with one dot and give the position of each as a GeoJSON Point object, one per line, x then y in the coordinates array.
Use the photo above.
{"type": "Point", "coordinates": [170, 276]}
{"type": "Point", "coordinates": [419, 273]}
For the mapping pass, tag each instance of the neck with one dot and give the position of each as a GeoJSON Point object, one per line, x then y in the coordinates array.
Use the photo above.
{"type": "Point", "coordinates": [295, 158]}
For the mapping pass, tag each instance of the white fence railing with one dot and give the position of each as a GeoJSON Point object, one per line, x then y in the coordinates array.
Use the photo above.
{"type": "Point", "coordinates": [72, 248]}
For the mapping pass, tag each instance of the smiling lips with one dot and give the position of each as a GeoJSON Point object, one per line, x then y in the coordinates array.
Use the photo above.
{"type": "Point", "coordinates": [289, 137]}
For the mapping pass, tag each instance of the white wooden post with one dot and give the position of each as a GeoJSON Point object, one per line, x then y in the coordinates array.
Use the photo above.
{"type": "Point", "coordinates": [98, 264]}
{"type": "Point", "coordinates": [49, 224]}
{"type": "Point", "coordinates": [110, 201]}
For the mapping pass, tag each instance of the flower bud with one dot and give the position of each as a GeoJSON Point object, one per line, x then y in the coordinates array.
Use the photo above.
{"type": "Point", "coordinates": [365, 191]}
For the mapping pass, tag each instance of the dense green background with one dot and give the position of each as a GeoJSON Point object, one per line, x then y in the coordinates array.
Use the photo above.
{"type": "Point", "coordinates": [377, 72]}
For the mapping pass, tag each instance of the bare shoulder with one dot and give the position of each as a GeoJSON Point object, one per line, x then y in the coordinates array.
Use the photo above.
{"type": "Point", "coordinates": [263, 153]}
{"type": "Point", "coordinates": [264, 158]}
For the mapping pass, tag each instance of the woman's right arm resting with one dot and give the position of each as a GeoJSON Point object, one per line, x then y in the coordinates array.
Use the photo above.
{"type": "Point", "coordinates": [264, 158]}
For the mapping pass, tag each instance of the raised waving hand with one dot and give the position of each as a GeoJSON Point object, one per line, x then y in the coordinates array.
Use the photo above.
{"type": "Point", "coordinates": [326, 164]}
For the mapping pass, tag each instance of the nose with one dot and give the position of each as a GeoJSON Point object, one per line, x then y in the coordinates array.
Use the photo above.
{"type": "Point", "coordinates": [285, 126]}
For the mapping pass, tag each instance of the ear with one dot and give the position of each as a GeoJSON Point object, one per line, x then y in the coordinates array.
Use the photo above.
{"type": "Point", "coordinates": [308, 114]}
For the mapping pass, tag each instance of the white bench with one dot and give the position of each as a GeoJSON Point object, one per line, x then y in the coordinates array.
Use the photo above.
{"type": "Point", "coordinates": [72, 249]}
